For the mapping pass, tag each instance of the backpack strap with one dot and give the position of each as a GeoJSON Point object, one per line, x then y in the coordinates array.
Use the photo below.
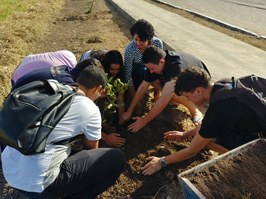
{"type": "Point", "coordinates": [68, 140]}
{"type": "Point", "coordinates": [72, 139]}
{"type": "Point", "coordinates": [223, 89]}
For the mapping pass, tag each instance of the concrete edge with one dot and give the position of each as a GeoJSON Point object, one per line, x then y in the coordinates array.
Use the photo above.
{"type": "Point", "coordinates": [132, 21]}
{"type": "Point", "coordinates": [216, 21]}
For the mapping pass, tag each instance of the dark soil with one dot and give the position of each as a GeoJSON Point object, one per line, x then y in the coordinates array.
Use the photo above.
{"type": "Point", "coordinates": [239, 176]}
{"type": "Point", "coordinates": [78, 30]}
{"type": "Point", "coordinates": [149, 142]}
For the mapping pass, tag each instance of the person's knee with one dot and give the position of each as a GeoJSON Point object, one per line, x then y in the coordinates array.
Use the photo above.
{"type": "Point", "coordinates": [118, 158]}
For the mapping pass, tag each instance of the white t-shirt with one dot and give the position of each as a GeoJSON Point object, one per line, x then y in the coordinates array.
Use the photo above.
{"type": "Point", "coordinates": [34, 173]}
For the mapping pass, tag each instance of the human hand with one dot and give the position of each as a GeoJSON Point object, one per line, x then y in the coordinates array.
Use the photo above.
{"type": "Point", "coordinates": [197, 117]}
{"type": "Point", "coordinates": [114, 139]}
{"type": "Point", "coordinates": [137, 125]}
{"type": "Point", "coordinates": [174, 135]}
{"type": "Point", "coordinates": [153, 166]}
{"type": "Point", "coordinates": [125, 117]}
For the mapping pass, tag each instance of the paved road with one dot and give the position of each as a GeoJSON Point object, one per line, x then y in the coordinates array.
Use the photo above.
{"type": "Point", "coordinates": [224, 55]}
{"type": "Point", "coordinates": [246, 14]}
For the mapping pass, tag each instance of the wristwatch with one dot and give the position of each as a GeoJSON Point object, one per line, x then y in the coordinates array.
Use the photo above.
{"type": "Point", "coordinates": [163, 162]}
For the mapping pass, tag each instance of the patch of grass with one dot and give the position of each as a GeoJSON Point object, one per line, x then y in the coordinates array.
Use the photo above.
{"type": "Point", "coordinates": [25, 23]}
{"type": "Point", "coordinates": [8, 7]}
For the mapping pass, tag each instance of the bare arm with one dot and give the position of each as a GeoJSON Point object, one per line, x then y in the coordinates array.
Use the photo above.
{"type": "Point", "coordinates": [90, 144]}
{"type": "Point", "coordinates": [132, 90]}
{"type": "Point", "coordinates": [121, 105]}
{"type": "Point", "coordinates": [180, 135]}
{"type": "Point", "coordinates": [197, 144]}
{"type": "Point", "coordinates": [167, 94]}
{"type": "Point", "coordinates": [186, 102]}
{"type": "Point", "coordinates": [139, 94]}
{"type": "Point", "coordinates": [113, 139]}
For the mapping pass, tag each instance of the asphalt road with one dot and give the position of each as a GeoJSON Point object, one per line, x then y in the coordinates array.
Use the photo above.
{"type": "Point", "coordinates": [249, 15]}
{"type": "Point", "coordinates": [224, 55]}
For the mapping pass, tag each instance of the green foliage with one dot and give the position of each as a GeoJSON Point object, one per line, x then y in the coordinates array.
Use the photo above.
{"type": "Point", "coordinates": [112, 89]}
{"type": "Point", "coordinates": [92, 3]}
{"type": "Point", "coordinates": [8, 7]}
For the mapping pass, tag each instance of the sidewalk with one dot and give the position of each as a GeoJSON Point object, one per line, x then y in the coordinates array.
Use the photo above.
{"type": "Point", "coordinates": [223, 55]}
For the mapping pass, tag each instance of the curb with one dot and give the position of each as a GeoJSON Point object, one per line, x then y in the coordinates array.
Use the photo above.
{"type": "Point", "coordinates": [121, 11]}
{"type": "Point", "coordinates": [216, 21]}
{"type": "Point", "coordinates": [132, 21]}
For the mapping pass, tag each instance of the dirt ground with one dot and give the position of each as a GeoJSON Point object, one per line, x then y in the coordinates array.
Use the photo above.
{"type": "Point", "coordinates": [78, 30]}
{"type": "Point", "coordinates": [103, 28]}
{"type": "Point", "coordinates": [235, 175]}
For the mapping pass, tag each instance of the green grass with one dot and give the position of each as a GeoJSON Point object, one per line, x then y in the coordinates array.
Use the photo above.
{"type": "Point", "coordinates": [8, 7]}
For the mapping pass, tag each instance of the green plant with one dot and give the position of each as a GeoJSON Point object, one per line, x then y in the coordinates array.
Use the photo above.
{"type": "Point", "coordinates": [8, 7]}
{"type": "Point", "coordinates": [114, 87]}
{"type": "Point", "coordinates": [91, 7]}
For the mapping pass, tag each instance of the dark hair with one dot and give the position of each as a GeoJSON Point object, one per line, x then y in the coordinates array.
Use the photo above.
{"type": "Point", "coordinates": [144, 30]}
{"type": "Point", "coordinates": [153, 55]}
{"type": "Point", "coordinates": [92, 76]}
{"type": "Point", "coordinates": [75, 72]}
{"type": "Point", "coordinates": [190, 79]}
{"type": "Point", "coordinates": [112, 57]}
{"type": "Point", "coordinates": [98, 54]}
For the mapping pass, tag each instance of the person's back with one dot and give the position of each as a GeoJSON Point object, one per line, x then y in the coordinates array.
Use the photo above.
{"type": "Point", "coordinates": [112, 62]}
{"type": "Point", "coordinates": [96, 54]}
{"type": "Point", "coordinates": [59, 73]}
{"type": "Point", "coordinates": [229, 121]}
{"type": "Point", "coordinates": [55, 173]}
{"type": "Point", "coordinates": [63, 74]}
{"type": "Point", "coordinates": [44, 60]}
{"type": "Point", "coordinates": [84, 111]}
{"type": "Point", "coordinates": [225, 119]}
{"type": "Point", "coordinates": [175, 63]}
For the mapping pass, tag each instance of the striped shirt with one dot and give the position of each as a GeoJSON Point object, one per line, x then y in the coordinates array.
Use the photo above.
{"type": "Point", "coordinates": [134, 55]}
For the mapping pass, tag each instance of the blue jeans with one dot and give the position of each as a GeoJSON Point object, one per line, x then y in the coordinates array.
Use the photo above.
{"type": "Point", "coordinates": [85, 174]}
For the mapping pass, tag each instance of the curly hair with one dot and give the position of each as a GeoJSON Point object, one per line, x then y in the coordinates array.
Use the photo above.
{"type": "Point", "coordinates": [143, 29]}
{"type": "Point", "coordinates": [190, 79]}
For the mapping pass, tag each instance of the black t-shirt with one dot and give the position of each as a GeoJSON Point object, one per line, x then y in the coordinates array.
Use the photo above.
{"type": "Point", "coordinates": [175, 63]}
{"type": "Point", "coordinates": [227, 118]}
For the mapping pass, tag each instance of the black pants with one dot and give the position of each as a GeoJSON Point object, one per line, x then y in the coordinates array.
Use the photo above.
{"type": "Point", "coordinates": [85, 174]}
{"type": "Point", "coordinates": [138, 73]}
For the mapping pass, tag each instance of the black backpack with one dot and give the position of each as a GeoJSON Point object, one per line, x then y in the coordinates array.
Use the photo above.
{"type": "Point", "coordinates": [249, 90]}
{"type": "Point", "coordinates": [31, 112]}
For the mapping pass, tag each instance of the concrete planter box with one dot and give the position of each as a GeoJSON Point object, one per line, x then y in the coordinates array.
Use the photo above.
{"type": "Point", "coordinates": [189, 189]}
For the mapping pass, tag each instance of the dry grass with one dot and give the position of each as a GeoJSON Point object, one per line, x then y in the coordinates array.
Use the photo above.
{"type": "Point", "coordinates": [19, 33]}
{"type": "Point", "coordinates": [7, 7]}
